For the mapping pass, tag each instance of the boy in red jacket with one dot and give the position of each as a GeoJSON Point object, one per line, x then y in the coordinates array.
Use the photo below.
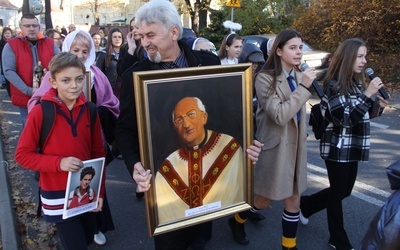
{"type": "Point", "coordinates": [70, 141]}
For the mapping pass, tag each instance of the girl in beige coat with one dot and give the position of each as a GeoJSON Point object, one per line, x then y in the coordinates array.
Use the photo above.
{"type": "Point", "coordinates": [280, 173]}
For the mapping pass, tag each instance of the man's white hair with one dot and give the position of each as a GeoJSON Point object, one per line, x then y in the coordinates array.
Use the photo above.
{"type": "Point", "coordinates": [160, 12]}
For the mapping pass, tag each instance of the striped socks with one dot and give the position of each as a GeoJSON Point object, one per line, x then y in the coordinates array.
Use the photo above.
{"type": "Point", "coordinates": [289, 228]}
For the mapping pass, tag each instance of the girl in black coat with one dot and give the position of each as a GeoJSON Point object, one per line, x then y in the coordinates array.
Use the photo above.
{"type": "Point", "coordinates": [108, 58]}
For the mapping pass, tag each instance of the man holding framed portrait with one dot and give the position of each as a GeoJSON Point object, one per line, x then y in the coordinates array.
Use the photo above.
{"type": "Point", "coordinates": [160, 28]}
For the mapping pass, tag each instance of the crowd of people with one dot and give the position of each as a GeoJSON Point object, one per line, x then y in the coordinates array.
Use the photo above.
{"type": "Point", "coordinates": [82, 68]}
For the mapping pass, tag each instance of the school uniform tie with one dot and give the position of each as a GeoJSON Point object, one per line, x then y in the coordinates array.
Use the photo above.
{"type": "Point", "coordinates": [292, 88]}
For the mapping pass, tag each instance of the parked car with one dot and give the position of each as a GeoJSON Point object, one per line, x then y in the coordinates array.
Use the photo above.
{"type": "Point", "coordinates": [317, 59]}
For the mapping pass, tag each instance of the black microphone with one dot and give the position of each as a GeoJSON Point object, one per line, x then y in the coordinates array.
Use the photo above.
{"type": "Point", "coordinates": [370, 73]}
{"type": "Point", "coordinates": [315, 84]}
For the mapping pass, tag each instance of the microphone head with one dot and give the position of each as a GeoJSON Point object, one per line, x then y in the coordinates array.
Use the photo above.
{"type": "Point", "coordinates": [304, 66]}
{"type": "Point", "coordinates": [369, 71]}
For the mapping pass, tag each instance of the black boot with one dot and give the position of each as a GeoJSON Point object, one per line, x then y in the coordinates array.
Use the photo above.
{"type": "Point", "coordinates": [239, 235]}
{"type": "Point", "coordinates": [254, 215]}
{"type": "Point", "coordinates": [289, 248]}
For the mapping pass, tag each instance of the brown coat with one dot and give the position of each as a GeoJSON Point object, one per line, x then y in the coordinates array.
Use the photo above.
{"type": "Point", "coordinates": [284, 155]}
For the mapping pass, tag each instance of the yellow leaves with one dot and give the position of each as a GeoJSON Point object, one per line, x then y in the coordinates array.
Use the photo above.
{"type": "Point", "coordinates": [327, 23]}
{"type": "Point", "coordinates": [35, 232]}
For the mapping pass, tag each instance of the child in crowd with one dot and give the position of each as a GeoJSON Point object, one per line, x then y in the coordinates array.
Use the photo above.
{"type": "Point", "coordinates": [230, 49]}
{"type": "Point", "coordinates": [81, 44]}
{"type": "Point", "coordinates": [281, 169]}
{"type": "Point", "coordinates": [70, 142]}
{"type": "Point", "coordinates": [346, 140]}
{"type": "Point", "coordinates": [108, 58]}
{"type": "Point", "coordinates": [97, 40]}
{"type": "Point", "coordinates": [132, 51]}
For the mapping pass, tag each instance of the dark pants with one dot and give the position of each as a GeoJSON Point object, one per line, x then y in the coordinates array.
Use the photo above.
{"type": "Point", "coordinates": [342, 176]}
{"type": "Point", "coordinates": [195, 237]}
{"type": "Point", "coordinates": [104, 220]}
{"type": "Point", "coordinates": [78, 232]}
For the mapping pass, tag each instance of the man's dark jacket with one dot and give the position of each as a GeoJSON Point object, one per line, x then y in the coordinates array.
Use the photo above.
{"type": "Point", "coordinates": [126, 131]}
{"type": "Point", "coordinates": [384, 230]}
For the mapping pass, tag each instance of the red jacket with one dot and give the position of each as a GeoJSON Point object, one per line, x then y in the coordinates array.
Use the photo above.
{"type": "Point", "coordinates": [24, 64]}
{"type": "Point", "coordinates": [62, 141]}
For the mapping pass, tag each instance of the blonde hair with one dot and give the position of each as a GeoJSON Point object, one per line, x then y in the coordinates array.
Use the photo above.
{"type": "Point", "coordinates": [82, 38]}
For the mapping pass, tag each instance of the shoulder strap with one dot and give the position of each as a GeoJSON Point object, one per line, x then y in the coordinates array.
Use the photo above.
{"type": "Point", "coordinates": [48, 111]}
{"type": "Point", "coordinates": [93, 112]}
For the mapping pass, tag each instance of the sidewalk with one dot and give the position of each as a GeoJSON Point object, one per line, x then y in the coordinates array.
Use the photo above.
{"type": "Point", "coordinates": [10, 239]}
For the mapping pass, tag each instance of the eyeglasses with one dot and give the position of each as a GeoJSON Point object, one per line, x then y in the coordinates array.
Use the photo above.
{"type": "Point", "coordinates": [58, 39]}
{"type": "Point", "coordinates": [179, 120]}
{"type": "Point", "coordinates": [30, 25]}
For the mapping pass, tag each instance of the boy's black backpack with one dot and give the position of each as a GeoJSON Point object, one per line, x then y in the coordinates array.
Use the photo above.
{"type": "Point", "coordinates": [49, 113]}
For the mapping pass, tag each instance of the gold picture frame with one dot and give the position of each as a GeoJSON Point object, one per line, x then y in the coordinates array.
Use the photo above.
{"type": "Point", "coordinates": [226, 92]}
{"type": "Point", "coordinates": [88, 86]}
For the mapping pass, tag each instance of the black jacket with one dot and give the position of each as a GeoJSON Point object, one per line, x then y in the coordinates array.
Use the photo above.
{"type": "Point", "coordinates": [126, 132]}
{"type": "Point", "coordinates": [384, 230]}
{"type": "Point", "coordinates": [126, 60]}
{"type": "Point", "coordinates": [111, 70]}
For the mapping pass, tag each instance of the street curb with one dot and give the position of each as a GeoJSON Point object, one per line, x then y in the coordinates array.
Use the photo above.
{"type": "Point", "coordinates": [9, 236]}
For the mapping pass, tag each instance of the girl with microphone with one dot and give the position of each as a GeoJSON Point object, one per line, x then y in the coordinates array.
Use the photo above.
{"type": "Point", "coordinates": [281, 170]}
{"type": "Point", "coordinates": [346, 140]}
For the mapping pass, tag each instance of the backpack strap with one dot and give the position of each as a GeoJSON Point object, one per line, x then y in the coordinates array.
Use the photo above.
{"type": "Point", "coordinates": [93, 112]}
{"type": "Point", "coordinates": [49, 113]}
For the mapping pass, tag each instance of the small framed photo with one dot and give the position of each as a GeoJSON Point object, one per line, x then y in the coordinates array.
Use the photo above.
{"type": "Point", "coordinates": [194, 126]}
{"type": "Point", "coordinates": [83, 188]}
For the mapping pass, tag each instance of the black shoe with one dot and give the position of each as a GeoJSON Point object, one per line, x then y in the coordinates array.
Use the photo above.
{"type": "Point", "coordinates": [289, 248]}
{"type": "Point", "coordinates": [139, 195]}
{"type": "Point", "coordinates": [334, 246]}
{"type": "Point", "coordinates": [239, 235]}
{"type": "Point", "coordinates": [255, 215]}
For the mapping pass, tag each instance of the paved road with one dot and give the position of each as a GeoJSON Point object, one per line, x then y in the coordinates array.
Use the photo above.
{"type": "Point", "coordinates": [371, 191]}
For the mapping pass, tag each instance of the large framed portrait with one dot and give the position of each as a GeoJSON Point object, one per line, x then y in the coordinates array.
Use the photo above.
{"type": "Point", "coordinates": [194, 126]}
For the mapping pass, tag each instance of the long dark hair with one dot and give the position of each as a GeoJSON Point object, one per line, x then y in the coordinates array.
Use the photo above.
{"type": "Point", "coordinates": [273, 65]}
{"type": "Point", "coordinates": [341, 67]}
{"type": "Point", "coordinates": [109, 45]}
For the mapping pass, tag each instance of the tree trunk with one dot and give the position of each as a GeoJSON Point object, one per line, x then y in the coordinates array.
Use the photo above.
{"type": "Point", "coordinates": [47, 14]}
{"type": "Point", "coordinates": [202, 18]}
{"type": "Point", "coordinates": [96, 13]}
{"type": "Point", "coordinates": [195, 16]}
